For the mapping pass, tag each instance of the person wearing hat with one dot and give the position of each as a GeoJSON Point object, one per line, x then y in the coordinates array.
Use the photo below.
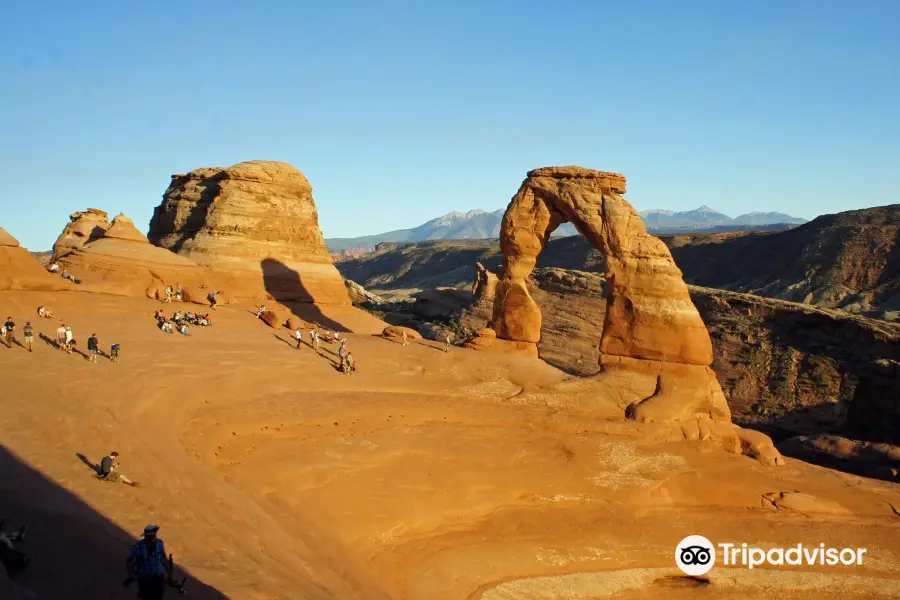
{"type": "Point", "coordinates": [147, 563]}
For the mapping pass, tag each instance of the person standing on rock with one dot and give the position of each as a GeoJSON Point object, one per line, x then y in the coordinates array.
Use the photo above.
{"type": "Point", "coordinates": [447, 342]}
{"type": "Point", "coordinates": [342, 351]}
{"type": "Point", "coordinates": [405, 341]}
{"type": "Point", "coordinates": [8, 335]}
{"type": "Point", "coordinates": [316, 340]}
{"type": "Point", "coordinates": [148, 564]}
{"type": "Point", "coordinates": [298, 335]}
{"type": "Point", "coordinates": [168, 299]}
{"type": "Point", "coordinates": [179, 293]}
{"type": "Point", "coordinates": [70, 340]}
{"type": "Point", "coordinates": [61, 337]}
{"type": "Point", "coordinates": [28, 336]}
{"type": "Point", "coordinates": [212, 299]}
{"type": "Point", "coordinates": [93, 346]}
{"type": "Point", "coordinates": [349, 363]}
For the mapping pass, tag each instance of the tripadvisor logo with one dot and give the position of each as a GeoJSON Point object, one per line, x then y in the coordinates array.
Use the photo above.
{"type": "Point", "coordinates": [695, 555]}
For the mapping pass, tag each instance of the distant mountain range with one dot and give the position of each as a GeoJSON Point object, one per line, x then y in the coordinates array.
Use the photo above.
{"type": "Point", "coordinates": [480, 224]}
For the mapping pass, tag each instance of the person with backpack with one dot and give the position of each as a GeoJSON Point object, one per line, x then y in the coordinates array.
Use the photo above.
{"type": "Point", "coordinates": [28, 336]}
{"type": "Point", "coordinates": [212, 299]}
{"type": "Point", "coordinates": [148, 564]}
{"type": "Point", "coordinates": [114, 353]}
{"type": "Point", "coordinates": [341, 351]}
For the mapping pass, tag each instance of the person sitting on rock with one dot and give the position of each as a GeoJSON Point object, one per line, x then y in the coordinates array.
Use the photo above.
{"type": "Point", "coordinates": [261, 310]}
{"type": "Point", "coordinates": [184, 329]}
{"type": "Point", "coordinates": [54, 268]}
{"type": "Point", "coordinates": [159, 315]}
{"type": "Point", "coordinates": [67, 275]}
{"type": "Point", "coordinates": [109, 470]}
{"type": "Point", "coordinates": [177, 316]}
{"type": "Point", "coordinates": [213, 299]}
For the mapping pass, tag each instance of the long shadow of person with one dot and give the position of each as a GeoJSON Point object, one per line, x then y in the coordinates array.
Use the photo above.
{"type": "Point", "coordinates": [85, 460]}
{"type": "Point", "coordinates": [48, 341]}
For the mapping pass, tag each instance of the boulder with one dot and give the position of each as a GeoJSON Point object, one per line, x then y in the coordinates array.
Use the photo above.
{"type": "Point", "coordinates": [270, 318]}
{"type": "Point", "coordinates": [20, 270]}
{"type": "Point", "coordinates": [294, 323]}
{"type": "Point", "coordinates": [83, 227]}
{"type": "Point", "coordinates": [359, 295]}
{"type": "Point", "coordinates": [255, 225]}
{"type": "Point", "coordinates": [396, 332]}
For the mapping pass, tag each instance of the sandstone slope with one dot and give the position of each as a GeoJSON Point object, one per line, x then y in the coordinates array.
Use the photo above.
{"type": "Point", "coordinates": [19, 270]}
{"type": "Point", "coordinates": [255, 225]}
{"type": "Point", "coordinates": [426, 476]}
{"type": "Point", "coordinates": [122, 262]}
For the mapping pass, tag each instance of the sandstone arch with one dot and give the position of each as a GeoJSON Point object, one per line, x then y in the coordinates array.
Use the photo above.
{"type": "Point", "coordinates": [655, 349]}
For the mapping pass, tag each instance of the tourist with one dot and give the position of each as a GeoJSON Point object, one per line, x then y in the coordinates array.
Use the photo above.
{"type": "Point", "coordinates": [405, 341]}
{"type": "Point", "coordinates": [9, 332]}
{"type": "Point", "coordinates": [28, 336]}
{"type": "Point", "coordinates": [349, 364]}
{"type": "Point", "coordinates": [93, 346]}
{"type": "Point", "coordinates": [67, 275]}
{"type": "Point", "coordinates": [315, 338]}
{"type": "Point", "coordinates": [168, 299]}
{"type": "Point", "coordinates": [447, 342]}
{"type": "Point", "coordinates": [183, 330]}
{"type": "Point", "coordinates": [341, 353]}
{"type": "Point", "coordinates": [114, 353]}
{"type": "Point", "coordinates": [70, 340]}
{"type": "Point", "coordinates": [54, 268]}
{"type": "Point", "coordinates": [179, 293]}
{"type": "Point", "coordinates": [213, 299]}
{"type": "Point", "coordinates": [261, 310]}
{"type": "Point", "coordinates": [44, 312]}
{"type": "Point", "coordinates": [109, 470]}
{"type": "Point", "coordinates": [298, 335]}
{"type": "Point", "coordinates": [61, 337]}
{"type": "Point", "coordinates": [148, 564]}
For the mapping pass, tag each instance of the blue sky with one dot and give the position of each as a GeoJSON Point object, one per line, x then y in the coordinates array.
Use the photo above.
{"type": "Point", "coordinates": [398, 112]}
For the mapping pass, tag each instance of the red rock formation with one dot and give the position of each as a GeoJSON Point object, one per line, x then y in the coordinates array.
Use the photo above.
{"type": "Point", "coordinates": [123, 262]}
{"type": "Point", "coordinates": [396, 332]}
{"type": "Point", "coordinates": [19, 270]}
{"type": "Point", "coordinates": [82, 228]}
{"type": "Point", "coordinates": [255, 225]}
{"type": "Point", "coordinates": [655, 350]}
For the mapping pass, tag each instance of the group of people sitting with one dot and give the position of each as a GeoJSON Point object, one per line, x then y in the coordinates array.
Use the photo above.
{"type": "Point", "coordinates": [181, 322]}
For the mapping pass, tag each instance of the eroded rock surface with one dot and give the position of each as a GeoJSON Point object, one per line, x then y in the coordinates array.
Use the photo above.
{"type": "Point", "coordinates": [20, 270]}
{"type": "Point", "coordinates": [83, 227]}
{"type": "Point", "coordinates": [122, 262]}
{"type": "Point", "coordinates": [256, 226]}
{"type": "Point", "coordinates": [651, 330]}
